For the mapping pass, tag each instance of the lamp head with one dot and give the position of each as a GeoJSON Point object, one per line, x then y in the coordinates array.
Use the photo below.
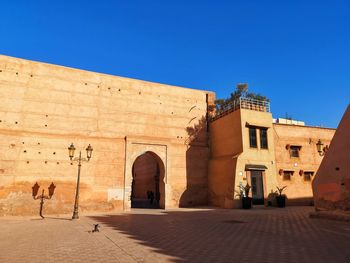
{"type": "Point", "coordinates": [71, 150]}
{"type": "Point", "coordinates": [89, 152]}
{"type": "Point", "coordinates": [319, 146]}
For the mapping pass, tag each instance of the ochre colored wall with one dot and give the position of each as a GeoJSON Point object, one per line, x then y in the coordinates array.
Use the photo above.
{"type": "Point", "coordinates": [331, 186]}
{"type": "Point", "coordinates": [43, 108]}
{"type": "Point", "coordinates": [298, 190]}
{"type": "Point", "coordinates": [256, 156]}
{"type": "Point", "coordinates": [225, 144]}
{"type": "Point", "coordinates": [230, 153]}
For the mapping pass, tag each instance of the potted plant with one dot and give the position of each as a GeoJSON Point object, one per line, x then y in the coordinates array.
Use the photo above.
{"type": "Point", "coordinates": [281, 198]}
{"type": "Point", "coordinates": [244, 195]}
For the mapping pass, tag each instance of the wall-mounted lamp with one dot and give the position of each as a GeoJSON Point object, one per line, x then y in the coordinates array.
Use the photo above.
{"type": "Point", "coordinates": [320, 148]}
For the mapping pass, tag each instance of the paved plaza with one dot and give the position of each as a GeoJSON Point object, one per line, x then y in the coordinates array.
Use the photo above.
{"type": "Point", "coordinates": [184, 235]}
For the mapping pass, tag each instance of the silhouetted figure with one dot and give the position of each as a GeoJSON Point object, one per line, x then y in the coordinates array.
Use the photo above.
{"type": "Point", "coordinates": [151, 197]}
{"type": "Point", "coordinates": [157, 197]}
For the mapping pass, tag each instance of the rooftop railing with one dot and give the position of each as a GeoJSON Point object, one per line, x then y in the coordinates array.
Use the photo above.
{"type": "Point", "coordinates": [244, 103]}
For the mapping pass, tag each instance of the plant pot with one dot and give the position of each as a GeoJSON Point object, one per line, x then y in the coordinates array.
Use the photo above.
{"type": "Point", "coordinates": [281, 201]}
{"type": "Point", "coordinates": [246, 202]}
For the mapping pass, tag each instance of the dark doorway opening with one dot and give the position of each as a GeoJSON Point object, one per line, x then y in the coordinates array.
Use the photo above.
{"type": "Point", "coordinates": [148, 188]}
{"type": "Point", "coordinates": [257, 187]}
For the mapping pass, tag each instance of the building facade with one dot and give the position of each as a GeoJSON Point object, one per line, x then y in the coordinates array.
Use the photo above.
{"type": "Point", "coordinates": [129, 123]}
{"type": "Point", "coordinates": [154, 145]}
{"type": "Point", "coordinates": [248, 147]}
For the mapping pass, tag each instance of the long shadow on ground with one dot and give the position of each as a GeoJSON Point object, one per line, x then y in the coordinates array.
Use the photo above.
{"type": "Point", "coordinates": [227, 236]}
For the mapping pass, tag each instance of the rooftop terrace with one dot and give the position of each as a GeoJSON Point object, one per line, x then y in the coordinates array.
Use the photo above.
{"type": "Point", "coordinates": [243, 103]}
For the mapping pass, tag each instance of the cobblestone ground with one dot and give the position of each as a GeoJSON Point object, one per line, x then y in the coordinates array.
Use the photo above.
{"type": "Point", "coordinates": [186, 235]}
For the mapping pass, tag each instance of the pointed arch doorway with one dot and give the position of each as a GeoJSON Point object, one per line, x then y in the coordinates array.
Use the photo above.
{"type": "Point", "coordinates": [148, 187]}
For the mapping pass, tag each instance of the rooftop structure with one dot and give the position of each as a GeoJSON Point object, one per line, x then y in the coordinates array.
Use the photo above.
{"type": "Point", "coordinates": [244, 103]}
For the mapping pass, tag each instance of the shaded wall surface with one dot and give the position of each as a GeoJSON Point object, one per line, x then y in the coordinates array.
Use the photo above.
{"type": "Point", "coordinates": [231, 153]}
{"type": "Point", "coordinates": [331, 186]}
{"type": "Point", "coordinates": [43, 108]}
{"type": "Point", "coordinates": [299, 188]}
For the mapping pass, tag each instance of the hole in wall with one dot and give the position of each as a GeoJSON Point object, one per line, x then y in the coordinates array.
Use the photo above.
{"type": "Point", "coordinates": [45, 161]}
{"type": "Point", "coordinates": [85, 83]}
{"type": "Point", "coordinates": [27, 161]}
{"type": "Point", "coordinates": [16, 73]}
{"type": "Point", "coordinates": [54, 153]}
{"type": "Point", "coordinates": [337, 168]}
{"type": "Point", "coordinates": [58, 162]}
{"type": "Point", "coordinates": [38, 143]}
{"type": "Point", "coordinates": [118, 89]}
{"type": "Point", "coordinates": [45, 125]}
{"type": "Point", "coordinates": [31, 75]}
{"type": "Point", "coordinates": [16, 122]}
{"type": "Point", "coordinates": [39, 152]}
{"type": "Point", "coordinates": [25, 151]}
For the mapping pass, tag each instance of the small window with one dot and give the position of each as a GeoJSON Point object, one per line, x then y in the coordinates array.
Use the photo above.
{"type": "Point", "coordinates": [263, 138]}
{"type": "Point", "coordinates": [308, 176]}
{"type": "Point", "coordinates": [252, 137]}
{"type": "Point", "coordinates": [287, 175]}
{"type": "Point", "coordinates": [294, 151]}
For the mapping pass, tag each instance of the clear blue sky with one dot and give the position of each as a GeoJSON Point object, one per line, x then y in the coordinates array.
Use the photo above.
{"type": "Point", "coordinates": [295, 52]}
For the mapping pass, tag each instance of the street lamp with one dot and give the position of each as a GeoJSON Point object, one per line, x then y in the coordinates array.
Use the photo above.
{"type": "Point", "coordinates": [321, 150]}
{"type": "Point", "coordinates": [71, 150]}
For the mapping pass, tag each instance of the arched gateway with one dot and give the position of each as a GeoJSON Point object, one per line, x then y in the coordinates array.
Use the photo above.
{"type": "Point", "coordinates": [145, 171]}
{"type": "Point", "coordinates": [148, 187]}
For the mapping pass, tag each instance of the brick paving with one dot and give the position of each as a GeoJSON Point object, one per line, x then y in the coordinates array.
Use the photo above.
{"type": "Point", "coordinates": [183, 235]}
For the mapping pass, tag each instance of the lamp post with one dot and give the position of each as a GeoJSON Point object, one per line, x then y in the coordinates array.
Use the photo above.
{"type": "Point", "coordinates": [79, 159]}
{"type": "Point", "coordinates": [35, 195]}
{"type": "Point", "coordinates": [321, 150]}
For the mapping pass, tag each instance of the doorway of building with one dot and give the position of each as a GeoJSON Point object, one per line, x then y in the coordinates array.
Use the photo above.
{"type": "Point", "coordinates": [148, 188]}
{"type": "Point", "coordinates": [257, 187]}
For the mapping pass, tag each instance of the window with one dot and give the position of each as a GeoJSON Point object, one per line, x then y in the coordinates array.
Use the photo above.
{"type": "Point", "coordinates": [308, 176]}
{"type": "Point", "coordinates": [287, 175]}
{"type": "Point", "coordinates": [294, 151]}
{"type": "Point", "coordinates": [252, 137]}
{"type": "Point", "coordinates": [263, 138]}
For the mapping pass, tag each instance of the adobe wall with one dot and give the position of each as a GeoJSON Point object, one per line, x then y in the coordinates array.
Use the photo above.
{"type": "Point", "coordinates": [298, 191]}
{"type": "Point", "coordinates": [46, 107]}
{"type": "Point", "coordinates": [331, 186]}
{"type": "Point", "coordinates": [230, 153]}
{"type": "Point", "coordinates": [225, 146]}
{"type": "Point", "coordinates": [256, 156]}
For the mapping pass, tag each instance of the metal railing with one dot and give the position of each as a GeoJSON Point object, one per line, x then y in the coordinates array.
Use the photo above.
{"type": "Point", "coordinates": [244, 103]}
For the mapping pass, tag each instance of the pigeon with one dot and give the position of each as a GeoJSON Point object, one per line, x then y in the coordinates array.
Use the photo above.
{"type": "Point", "coordinates": [96, 228]}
